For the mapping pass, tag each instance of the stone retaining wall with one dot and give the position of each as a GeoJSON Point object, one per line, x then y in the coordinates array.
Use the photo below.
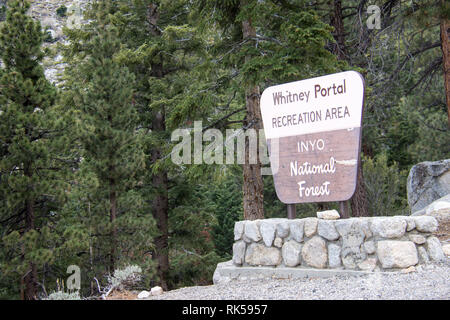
{"type": "Point", "coordinates": [368, 244]}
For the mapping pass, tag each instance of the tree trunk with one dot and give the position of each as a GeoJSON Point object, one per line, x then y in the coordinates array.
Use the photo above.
{"type": "Point", "coordinates": [112, 218]}
{"type": "Point", "coordinates": [253, 186]}
{"type": "Point", "coordinates": [358, 202]}
{"type": "Point", "coordinates": [343, 208]}
{"type": "Point", "coordinates": [30, 277]}
{"type": "Point", "coordinates": [338, 23]}
{"type": "Point", "coordinates": [445, 45]}
{"type": "Point", "coordinates": [160, 208]}
{"type": "Point", "coordinates": [160, 213]}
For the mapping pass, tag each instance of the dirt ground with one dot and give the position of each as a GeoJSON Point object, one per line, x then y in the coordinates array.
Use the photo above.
{"type": "Point", "coordinates": [123, 295]}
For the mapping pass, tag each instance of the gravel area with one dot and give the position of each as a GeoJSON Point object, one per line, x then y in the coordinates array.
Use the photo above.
{"type": "Point", "coordinates": [426, 283]}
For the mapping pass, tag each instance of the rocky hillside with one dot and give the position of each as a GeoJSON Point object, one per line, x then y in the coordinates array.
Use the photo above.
{"type": "Point", "coordinates": [54, 15]}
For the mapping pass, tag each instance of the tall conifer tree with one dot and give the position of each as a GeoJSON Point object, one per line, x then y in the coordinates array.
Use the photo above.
{"type": "Point", "coordinates": [101, 92]}
{"type": "Point", "coordinates": [29, 127]}
{"type": "Point", "coordinates": [162, 48]}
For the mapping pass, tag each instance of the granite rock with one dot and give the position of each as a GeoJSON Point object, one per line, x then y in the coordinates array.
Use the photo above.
{"type": "Point", "coordinates": [251, 230]}
{"type": "Point", "coordinates": [426, 223]}
{"type": "Point", "coordinates": [291, 253]}
{"type": "Point", "coordinates": [314, 253]}
{"type": "Point", "coordinates": [296, 229]}
{"type": "Point", "coordinates": [334, 256]}
{"type": "Point", "coordinates": [259, 255]}
{"type": "Point", "coordinates": [239, 252]}
{"type": "Point", "coordinates": [397, 254]}
{"type": "Point", "coordinates": [267, 230]}
{"type": "Point", "coordinates": [328, 215]}
{"type": "Point", "coordinates": [310, 226]}
{"type": "Point", "coordinates": [427, 182]}
{"type": "Point", "coordinates": [390, 227]}
{"type": "Point", "coordinates": [434, 249]}
{"type": "Point", "coordinates": [326, 229]}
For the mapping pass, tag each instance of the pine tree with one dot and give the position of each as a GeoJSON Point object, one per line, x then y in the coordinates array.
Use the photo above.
{"type": "Point", "coordinates": [101, 91]}
{"type": "Point", "coordinates": [161, 47]}
{"type": "Point", "coordinates": [228, 210]}
{"type": "Point", "coordinates": [30, 185]}
{"type": "Point", "coordinates": [260, 43]}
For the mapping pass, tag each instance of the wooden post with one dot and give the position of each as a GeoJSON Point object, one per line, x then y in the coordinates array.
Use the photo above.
{"type": "Point", "coordinates": [291, 211]}
{"type": "Point", "coordinates": [343, 208]}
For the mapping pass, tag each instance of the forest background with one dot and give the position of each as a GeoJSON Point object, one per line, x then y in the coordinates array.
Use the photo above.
{"type": "Point", "coordinates": [86, 176]}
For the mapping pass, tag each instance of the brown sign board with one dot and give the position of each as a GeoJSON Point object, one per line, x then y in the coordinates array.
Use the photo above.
{"type": "Point", "coordinates": [313, 133]}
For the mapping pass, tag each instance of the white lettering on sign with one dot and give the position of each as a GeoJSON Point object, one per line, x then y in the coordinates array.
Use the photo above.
{"type": "Point", "coordinates": [307, 168]}
{"type": "Point", "coordinates": [314, 191]}
{"type": "Point", "coordinates": [305, 146]}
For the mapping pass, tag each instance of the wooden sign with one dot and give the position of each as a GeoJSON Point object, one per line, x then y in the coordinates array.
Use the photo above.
{"type": "Point", "coordinates": [316, 124]}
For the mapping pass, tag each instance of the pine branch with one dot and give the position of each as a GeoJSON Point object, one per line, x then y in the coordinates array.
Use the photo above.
{"type": "Point", "coordinates": [428, 72]}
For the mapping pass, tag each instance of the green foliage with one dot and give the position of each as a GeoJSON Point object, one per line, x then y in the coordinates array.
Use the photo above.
{"type": "Point", "coordinates": [101, 94]}
{"type": "Point", "coordinates": [164, 60]}
{"type": "Point", "coordinates": [107, 119]}
{"type": "Point", "coordinates": [421, 134]}
{"type": "Point", "coordinates": [385, 186]}
{"type": "Point", "coordinates": [2, 11]}
{"type": "Point", "coordinates": [126, 278]}
{"type": "Point", "coordinates": [32, 149]}
{"type": "Point", "coordinates": [191, 219]}
{"type": "Point", "coordinates": [228, 210]}
{"type": "Point", "coordinates": [85, 229]}
{"type": "Point", "coordinates": [403, 71]}
{"type": "Point", "coordinates": [289, 44]}
{"type": "Point", "coordinates": [61, 295]}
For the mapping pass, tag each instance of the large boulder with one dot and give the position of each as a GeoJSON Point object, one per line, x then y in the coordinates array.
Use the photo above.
{"type": "Point", "coordinates": [427, 182]}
